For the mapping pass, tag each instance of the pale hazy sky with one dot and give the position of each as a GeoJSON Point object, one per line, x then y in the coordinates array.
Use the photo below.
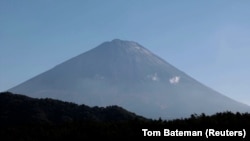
{"type": "Point", "coordinates": [209, 40]}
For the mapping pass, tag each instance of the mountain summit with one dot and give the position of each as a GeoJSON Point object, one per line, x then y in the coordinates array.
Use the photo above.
{"type": "Point", "coordinates": [126, 74]}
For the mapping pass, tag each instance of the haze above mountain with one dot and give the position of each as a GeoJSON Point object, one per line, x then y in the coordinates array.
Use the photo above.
{"type": "Point", "coordinates": [126, 74]}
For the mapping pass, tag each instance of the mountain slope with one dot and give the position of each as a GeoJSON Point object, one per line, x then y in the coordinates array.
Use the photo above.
{"type": "Point", "coordinates": [125, 73]}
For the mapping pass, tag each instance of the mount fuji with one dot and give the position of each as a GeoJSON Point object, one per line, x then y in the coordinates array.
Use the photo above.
{"type": "Point", "coordinates": [126, 74]}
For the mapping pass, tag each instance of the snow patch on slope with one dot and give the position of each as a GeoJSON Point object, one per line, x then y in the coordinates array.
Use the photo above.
{"type": "Point", "coordinates": [174, 80]}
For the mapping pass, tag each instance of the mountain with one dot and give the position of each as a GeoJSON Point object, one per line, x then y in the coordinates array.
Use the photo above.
{"type": "Point", "coordinates": [127, 74]}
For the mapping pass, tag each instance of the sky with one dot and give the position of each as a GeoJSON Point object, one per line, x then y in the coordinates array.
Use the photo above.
{"type": "Point", "coordinates": [208, 40]}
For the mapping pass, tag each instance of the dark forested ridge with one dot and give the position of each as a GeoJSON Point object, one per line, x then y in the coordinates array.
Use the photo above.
{"type": "Point", "coordinates": [19, 109]}
{"type": "Point", "coordinates": [25, 118]}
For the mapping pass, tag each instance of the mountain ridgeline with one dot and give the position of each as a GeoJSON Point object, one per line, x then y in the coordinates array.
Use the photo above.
{"type": "Point", "coordinates": [29, 119]}
{"type": "Point", "coordinates": [126, 74]}
{"type": "Point", "coordinates": [18, 109]}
